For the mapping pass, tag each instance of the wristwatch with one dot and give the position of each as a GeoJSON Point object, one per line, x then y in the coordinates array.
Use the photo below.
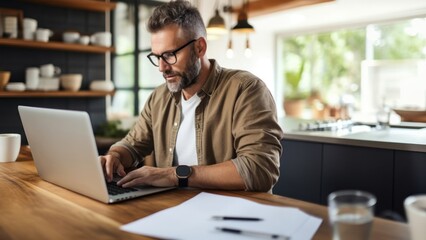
{"type": "Point", "coordinates": [182, 173]}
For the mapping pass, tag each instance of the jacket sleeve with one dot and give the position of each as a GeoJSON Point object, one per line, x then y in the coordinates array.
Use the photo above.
{"type": "Point", "coordinates": [257, 135]}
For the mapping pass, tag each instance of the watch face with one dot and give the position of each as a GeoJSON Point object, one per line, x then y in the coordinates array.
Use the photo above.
{"type": "Point", "coordinates": [183, 171]}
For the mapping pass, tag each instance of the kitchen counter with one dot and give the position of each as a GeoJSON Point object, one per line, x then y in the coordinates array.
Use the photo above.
{"type": "Point", "coordinates": [395, 137]}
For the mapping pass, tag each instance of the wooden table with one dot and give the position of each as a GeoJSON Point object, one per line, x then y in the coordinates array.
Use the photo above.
{"type": "Point", "coordinates": [31, 208]}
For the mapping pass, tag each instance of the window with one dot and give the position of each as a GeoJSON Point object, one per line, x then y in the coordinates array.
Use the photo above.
{"type": "Point", "coordinates": [133, 75]}
{"type": "Point", "coordinates": [339, 68]}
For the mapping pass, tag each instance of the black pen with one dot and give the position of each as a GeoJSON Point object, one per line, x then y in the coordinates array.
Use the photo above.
{"type": "Point", "coordinates": [253, 233]}
{"type": "Point", "coordinates": [236, 218]}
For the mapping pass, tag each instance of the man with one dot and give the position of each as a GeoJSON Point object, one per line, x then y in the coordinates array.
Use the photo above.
{"type": "Point", "coordinates": [207, 127]}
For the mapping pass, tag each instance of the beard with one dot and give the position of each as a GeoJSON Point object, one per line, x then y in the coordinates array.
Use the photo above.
{"type": "Point", "coordinates": [187, 78]}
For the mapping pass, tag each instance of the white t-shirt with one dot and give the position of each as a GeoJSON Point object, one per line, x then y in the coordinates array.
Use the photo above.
{"type": "Point", "coordinates": [186, 148]}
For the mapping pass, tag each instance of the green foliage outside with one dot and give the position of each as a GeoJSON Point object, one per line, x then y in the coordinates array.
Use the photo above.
{"type": "Point", "coordinates": [330, 63]}
{"type": "Point", "coordinates": [401, 40]}
{"type": "Point", "coordinates": [325, 59]}
{"type": "Point", "coordinates": [111, 129]}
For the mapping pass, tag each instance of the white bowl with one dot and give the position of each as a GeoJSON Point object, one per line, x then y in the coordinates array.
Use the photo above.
{"type": "Point", "coordinates": [101, 85]}
{"type": "Point", "coordinates": [15, 86]}
{"type": "Point", "coordinates": [71, 82]}
{"type": "Point", "coordinates": [71, 37]}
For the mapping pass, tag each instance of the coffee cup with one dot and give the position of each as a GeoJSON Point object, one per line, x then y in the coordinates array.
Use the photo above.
{"type": "Point", "coordinates": [43, 34]}
{"type": "Point", "coordinates": [32, 78]}
{"type": "Point", "coordinates": [10, 144]}
{"type": "Point", "coordinates": [101, 39]}
{"type": "Point", "coordinates": [415, 208]}
{"type": "Point", "coordinates": [49, 70]}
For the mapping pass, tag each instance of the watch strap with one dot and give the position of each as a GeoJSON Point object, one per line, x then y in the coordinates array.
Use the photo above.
{"type": "Point", "coordinates": [183, 182]}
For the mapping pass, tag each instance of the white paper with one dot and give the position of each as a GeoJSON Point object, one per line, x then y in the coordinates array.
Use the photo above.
{"type": "Point", "coordinates": [192, 219]}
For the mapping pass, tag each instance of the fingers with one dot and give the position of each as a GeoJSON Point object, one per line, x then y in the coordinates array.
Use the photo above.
{"type": "Point", "coordinates": [110, 164]}
{"type": "Point", "coordinates": [148, 176]}
{"type": "Point", "coordinates": [120, 169]}
{"type": "Point", "coordinates": [131, 179]}
{"type": "Point", "coordinates": [109, 167]}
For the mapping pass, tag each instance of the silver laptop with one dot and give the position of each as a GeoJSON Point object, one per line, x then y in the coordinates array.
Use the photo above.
{"type": "Point", "coordinates": [65, 153]}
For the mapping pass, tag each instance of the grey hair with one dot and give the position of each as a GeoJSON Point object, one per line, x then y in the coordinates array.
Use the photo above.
{"type": "Point", "coordinates": [181, 13]}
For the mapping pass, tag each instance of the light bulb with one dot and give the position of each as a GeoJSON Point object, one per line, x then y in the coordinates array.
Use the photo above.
{"type": "Point", "coordinates": [248, 53]}
{"type": "Point", "coordinates": [229, 51]}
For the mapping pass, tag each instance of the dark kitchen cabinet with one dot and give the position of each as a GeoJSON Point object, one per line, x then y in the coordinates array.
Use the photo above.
{"type": "Point", "coordinates": [409, 178]}
{"type": "Point", "coordinates": [311, 170]}
{"type": "Point", "coordinates": [300, 171]}
{"type": "Point", "coordinates": [361, 168]}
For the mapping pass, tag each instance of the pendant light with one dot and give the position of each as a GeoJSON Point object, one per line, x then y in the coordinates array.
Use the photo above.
{"type": "Point", "coordinates": [216, 24]}
{"type": "Point", "coordinates": [242, 25]}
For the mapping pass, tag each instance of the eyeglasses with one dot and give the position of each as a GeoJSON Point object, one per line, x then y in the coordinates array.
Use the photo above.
{"type": "Point", "coordinates": [169, 57]}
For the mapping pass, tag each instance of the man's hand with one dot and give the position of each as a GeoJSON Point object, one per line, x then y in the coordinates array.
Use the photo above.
{"type": "Point", "coordinates": [150, 176]}
{"type": "Point", "coordinates": [111, 164]}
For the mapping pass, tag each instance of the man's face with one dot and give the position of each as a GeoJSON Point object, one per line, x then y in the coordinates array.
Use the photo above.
{"type": "Point", "coordinates": [185, 71]}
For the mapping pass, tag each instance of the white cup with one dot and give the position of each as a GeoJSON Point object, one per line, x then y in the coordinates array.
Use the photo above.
{"type": "Point", "coordinates": [49, 70]}
{"type": "Point", "coordinates": [10, 144]}
{"type": "Point", "coordinates": [351, 214]}
{"type": "Point", "coordinates": [29, 28]}
{"type": "Point", "coordinates": [101, 39]}
{"type": "Point", "coordinates": [32, 78]}
{"type": "Point", "coordinates": [85, 40]}
{"type": "Point", "coordinates": [43, 34]}
{"type": "Point", "coordinates": [30, 24]}
{"type": "Point", "coordinates": [28, 35]}
{"type": "Point", "coordinates": [415, 208]}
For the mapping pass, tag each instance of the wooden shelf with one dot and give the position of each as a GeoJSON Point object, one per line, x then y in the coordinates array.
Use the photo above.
{"type": "Point", "coordinates": [90, 5]}
{"type": "Point", "coordinates": [55, 46]}
{"type": "Point", "coordinates": [54, 94]}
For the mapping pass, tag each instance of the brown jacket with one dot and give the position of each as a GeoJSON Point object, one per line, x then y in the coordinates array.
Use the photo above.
{"type": "Point", "coordinates": [236, 120]}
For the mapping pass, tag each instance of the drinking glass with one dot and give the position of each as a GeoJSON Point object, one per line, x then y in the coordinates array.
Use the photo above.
{"type": "Point", "coordinates": [351, 214]}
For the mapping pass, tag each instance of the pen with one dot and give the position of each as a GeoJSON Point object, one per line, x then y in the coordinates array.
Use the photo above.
{"type": "Point", "coordinates": [236, 218]}
{"type": "Point", "coordinates": [253, 233]}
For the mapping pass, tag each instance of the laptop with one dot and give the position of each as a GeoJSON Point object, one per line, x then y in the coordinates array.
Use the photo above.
{"type": "Point", "coordinates": [65, 153]}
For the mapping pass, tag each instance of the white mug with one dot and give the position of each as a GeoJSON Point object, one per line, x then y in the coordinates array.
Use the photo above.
{"type": "Point", "coordinates": [29, 28]}
{"type": "Point", "coordinates": [415, 208]}
{"type": "Point", "coordinates": [10, 144]}
{"type": "Point", "coordinates": [43, 34]}
{"type": "Point", "coordinates": [101, 39]}
{"type": "Point", "coordinates": [32, 78]}
{"type": "Point", "coordinates": [84, 40]}
{"type": "Point", "coordinates": [49, 70]}
{"type": "Point", "coordinates": [30, 24]}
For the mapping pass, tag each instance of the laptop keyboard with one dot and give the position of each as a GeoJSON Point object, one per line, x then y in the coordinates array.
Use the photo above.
{"type": "Point", "coordinates": [114, 189]}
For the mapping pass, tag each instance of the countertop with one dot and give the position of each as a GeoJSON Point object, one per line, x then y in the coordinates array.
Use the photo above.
{"type": "Point", "coordinates": [396, 137]}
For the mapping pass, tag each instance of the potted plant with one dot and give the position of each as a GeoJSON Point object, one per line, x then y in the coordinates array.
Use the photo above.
{"type": "Point", "coordinates": [4, 78]}
{"type": "Point", "coordinates": [109, 133]}
{"type": "Point", "coordinates": [294, 96]}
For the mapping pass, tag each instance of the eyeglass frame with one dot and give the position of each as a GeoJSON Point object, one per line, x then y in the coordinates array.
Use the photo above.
{"type": "Point", "coordinates": [173, 53]}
